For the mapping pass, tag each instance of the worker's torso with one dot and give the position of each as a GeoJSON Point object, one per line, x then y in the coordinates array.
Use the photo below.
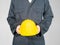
{"type": "Point", "coordinates": [25, 10]}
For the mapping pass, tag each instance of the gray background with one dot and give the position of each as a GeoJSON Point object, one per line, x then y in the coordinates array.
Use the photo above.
{"type": "Point", "coordinates": [52, 37]}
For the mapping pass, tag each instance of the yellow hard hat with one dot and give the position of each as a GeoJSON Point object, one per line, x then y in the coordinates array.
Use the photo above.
{"type": "Point", "coordinates": [28, 28]}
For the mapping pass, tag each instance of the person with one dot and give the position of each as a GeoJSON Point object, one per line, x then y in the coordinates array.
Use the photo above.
{"type": "Point", "coordinates": [37, 10]}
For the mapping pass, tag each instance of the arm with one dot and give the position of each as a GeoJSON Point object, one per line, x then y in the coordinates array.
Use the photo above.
{"type": "Point", "coordinates": [47, 15]}
{"type": "Point", "coordinates": [11, 18]}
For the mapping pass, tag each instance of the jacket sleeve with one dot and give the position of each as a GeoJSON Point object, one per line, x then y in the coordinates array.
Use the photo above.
{"type": "Point", "coordinates": [11, 18]}
{"type": "Point", "coordinates": [47, 18]}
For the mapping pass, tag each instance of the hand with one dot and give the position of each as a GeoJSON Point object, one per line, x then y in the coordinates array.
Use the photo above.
{"type": "Point", "coordinates": [38, 28]}
{"type": "Point", "coordinates": [17, 29]}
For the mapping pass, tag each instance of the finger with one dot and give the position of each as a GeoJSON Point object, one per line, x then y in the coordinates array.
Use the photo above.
{"type": "Point", "coordinates": [18, 27]}
{"type": "Point", "coordinates": [38, 28]}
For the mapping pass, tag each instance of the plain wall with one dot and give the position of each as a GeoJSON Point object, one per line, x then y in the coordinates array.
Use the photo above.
{"type": "Point", "coordinates": [52, 37]}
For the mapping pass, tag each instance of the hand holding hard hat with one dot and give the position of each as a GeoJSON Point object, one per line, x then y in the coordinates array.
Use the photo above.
{"type": "Point", "coordinates": [28, 28]}
{"type": "Point", "coordinates": [17, 29]}
{"type": "Point", "coordinates": [38, 28]}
